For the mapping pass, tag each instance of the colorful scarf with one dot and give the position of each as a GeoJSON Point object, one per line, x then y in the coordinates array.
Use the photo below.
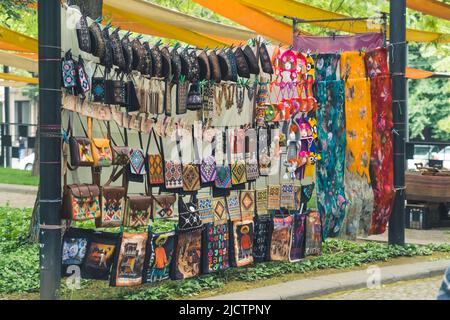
{"type": "Point", "coordinates": [382, 153]}
{"type": "Point", "coordinates": [327, 66]}
{"type": "Point", "coordinates": [352, 65]}
{"type": "Point", "coordinates": [330, 170]}
{"type": "Point", "coordinates": [376, 63]}
{"type": "Point", "coordinates": [358, 113]}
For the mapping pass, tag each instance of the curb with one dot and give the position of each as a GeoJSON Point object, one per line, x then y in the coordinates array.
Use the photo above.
{"type": "Point", "coordinates": [20, 189]}
{"type": "Point", "coordinates": [352, 280]}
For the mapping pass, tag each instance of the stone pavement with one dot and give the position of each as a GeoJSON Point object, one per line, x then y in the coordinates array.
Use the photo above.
{"type": "Point", "coordinates": [413, 236]}
{"type": "Point", "coordinates": [17, 196]}
{"type": "Point", "coordinates": [423, 289]}
{"type": "Point", "coordinates": [317, 286]}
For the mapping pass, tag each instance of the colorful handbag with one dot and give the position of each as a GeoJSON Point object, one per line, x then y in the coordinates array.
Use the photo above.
{"type": "Point", "coordinates": [261, 202]}
{"type": "Point", "coordinates": [101, 149]}
{"type": "Point", "coordinates": [238, 170]}
{"type": "Point", "coordinates": [120, 155]}
{"type": "Point", "coordinates": [241, 251]}
{"type": "Point", "coordinates": [186, 262]}
{"type": "Point", "coordinates": [80, 150]}
{"type": "Point", "coordinates": [219, 208]}
{"type": "Point", "coordinates": [191, 177]}
{"type": "Point", "coordinates": [83, 83]}
{"type": "Point", "coordinates": [155, 162]}
{"type": "Point", "coordinates": [273, 197]}
{"type": "Point", "coordinates": [81, 202]}
{"type": "Point", "coordinates": [287, 196]}
{"type": "Point", "coordinates": [69, 71]}
{"type": "Point", "coordinates": [138, 211]}
{"type": "Point", "coordinates": [205, 209]}
{"type": "Point", "coordinates": [251, 162]}
{"type": "Point", "coordinates": [223, 177]}
{"type": "Point", "coordinates": [112, 207]}
{"type": "Point", "coordinates": [98, 91]}
{"type": "Point", "coordinates": [233, 206]}
{"type": "Point", "coordinates": [247, 201]}
{"type": "Point", "coordinates": [208, 169]}
{"type": "Point", "coordinates": [215, 246]}
{"type": "Point", "coordinates": [163, 205]}
{"type": "Point", "coordinates": [129, 260]}
{"type": "Point", "coordinates": [281, 235]}
{"type": "Point", "coordinates": [188, 214]}
{"type": "Point", "coordinates": [158, 256]}
{"type": "Point", "coordinates": [173, 176]}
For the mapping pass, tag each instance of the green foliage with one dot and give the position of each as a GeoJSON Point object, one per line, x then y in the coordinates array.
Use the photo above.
{"type": "Point", "coordinates": [21, 177]}
{"type": "Point", "coordinates": [13, 10]}
{"type": "Point", "coordinates": [14, 224]}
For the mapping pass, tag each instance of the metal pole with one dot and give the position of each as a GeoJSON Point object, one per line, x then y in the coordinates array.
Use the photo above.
{"type": "Point", "coordinates": [49, 25]}
{"type": "Point", "coordinates": [398, 55]}
{"type": "Point", "coordinates": [7, 120]}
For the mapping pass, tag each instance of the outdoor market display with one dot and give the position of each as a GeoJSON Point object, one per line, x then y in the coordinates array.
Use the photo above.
{"type": "Point", "coordinates": [320, 111]}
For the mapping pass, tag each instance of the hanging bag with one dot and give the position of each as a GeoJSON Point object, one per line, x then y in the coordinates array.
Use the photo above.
{"type": "Point", "coordinates": [80, 147]}
{"type": "Point", "coordinates": [101, 148]}
{"type": "Point", "coordinates": [233, 206]}
{"type": "Point", "coordinates": [155, 162]}
{"type": "Point", "coordinates": [238, 169]}
{"type": "Point", "coordinates": [186, 262]}
{"type": "Point", "coordinates": [158, 256]}
{"type": "Point", "coordinates": [208, 167]}
{"type": "Point", "coordinates": [80, 201]}
{"type": "Point", "coordinates": [138, 211]}
{"type": "Point", "coordinates": [251, 161]}
{"type": "Point", "coordinates": [173, 172]}
{"type": "Point", "coordinates": [247, 201]}
{"type": "Point", "coordinates": [215, 246]}
{"type": "Point", "coordinates": [191, 171]}
{"type": "Point", "coordinates": [136, 167]}
{"type": "Point", "coordinates": [223, 176]}
{"type": "Point", "coordinates": [241, 248]}
{"type": "Point", "coordinates": [281, 235]}
{"type": "Point", "coordinates": [188, 214]}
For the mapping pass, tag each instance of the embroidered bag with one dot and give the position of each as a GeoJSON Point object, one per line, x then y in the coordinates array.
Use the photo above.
{"type": "Point", "coordinates": [80, 147]}
{"type": "Point", "coordinates": [121, 155]}
{"type": "Point", "coordinates": [287, 196]}
{"type": "Point", "coordinates": [233, 206]}
{"type": "Point", "coordinates": [233, 64]}
{"type": "Point", "coordinates": [100, 255]}
{"type": "Point", "coordinates": [266, 62]}
{"type": "Point", "coordinates": [251, 161]}
{"type": "Point", "coordinates": [273, 197]}
{"type": "Point", "coordinates": [261, 202]}
{"type": "Point", "coordinates": [215, 246]}
{"type": "Point", "coordinates": [129, 260]}
{"type": "Point", "coordinates": [155, 162]}
{"type": "Point", "coordinates": [74, 247]}
{"type": "Point", "coordinates": [281, 235]}
{"type": "Point", "coordinates": [252, 62]}
{"type": "Point", "coordinates": [188, 214]}
{"type": "Point", "coordinates": [82, 78]}
{"type": "Point", "coordinates": [138, 211]}
{"type": "Point", "coordinates": [127, 48]}
{"type": "Point", "coordinates": [238, 169]}
{"type": "Point", "coordinates": [81, 202]}
{"type": "Point", "coordinates": [186, 262]}
{"type": "Point", "coordinates": [242, 66]}
{"type": "Point", "coordinates": [205, 209]}
{"type": "Point", "coordinates": [182, 93]}
{"type": "Point", "coordinates": [208, 168]}
{"type": "Point", "coordinates": [101, 149]}
{"type": "Point", "coordinates": [98, 46]}
{"type": "Point", "coordinates": [191, 177]}
{"type": "Point", "coordinates": [98, 92]}
{"type": "Point", "coordinates": [142, 60]}
{"type": "Point", "coordinates": [214, 66]}
{"type": "Point", "coordinates": [112, 207]}
{"type": "Point", "coordinates": [223, 176]}
{"type": "Point", "coordinates": [158, 256]}
{"type": "Point", "coordinates": [163, 205]}
{"type": "Point", "coordinates": [247, 201]}
{"type": "Point", "coordinates": [203, 62]}
{"type": "Point", "coordinates": [156, 61]}
{"type": "Point", "coordinates": [116, 44]}
{"type": "Point", "coordinates": [194, 97]}
{"type": "Point", "coordinates": [107, 60]}
{"type": "Point", "coordinates": [261, 240]}
{"type": "Point", "coordinates": [264, 152]}
{"type": "Point", "coordinates": [69, 71]}
{"type": "Point", "coordinates": [220, 211]}
{"type": "Point", "coordinates": [84, 39]}
{"type": "Point", "coordinates": [241, 248]}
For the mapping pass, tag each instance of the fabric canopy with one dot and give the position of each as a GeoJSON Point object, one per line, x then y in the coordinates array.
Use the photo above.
{"type": "Point", "coordinates": [15, 61]}
{"type": "Point", "coordinates": [13, 84]}
{"type": "Point", "coordinates": [307, 12]}
{"type": "Point", "coordinates": [417, 74]}
{"type": "Point", "coordinates": [255, 20]}
{"type": "Point", "coordinates": [14, 41]}
{"type": "Point", "coordinates": [181, 20]}
{"type": "Point", "coordinates": [155, 28]}
{"type": "Point", "coordinates": [13, 77]}
{"type": "Point", "coordinates": [431, 7]}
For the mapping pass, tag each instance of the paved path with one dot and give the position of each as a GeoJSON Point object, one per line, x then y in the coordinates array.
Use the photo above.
{"type": "Point", "coordinates": [413, 236]}
{"type": "Point", "coordinates": [318, 286]}
{"type": "Point", "coordinates": [17, 196]}
{"type": "Point", "coordinates": [423, 289]}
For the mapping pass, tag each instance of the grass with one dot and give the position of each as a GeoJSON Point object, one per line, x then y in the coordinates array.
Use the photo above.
{"type": "Point", "coordinates": [20, 177]}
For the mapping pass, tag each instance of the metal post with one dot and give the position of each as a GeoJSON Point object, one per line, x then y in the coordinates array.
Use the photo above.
{"type": "Point", "coordinates": [49, 26]}
{"type": "Point", "coordinates": [7, 106]}
{"type": "Point", "coordinates": [398, 55]}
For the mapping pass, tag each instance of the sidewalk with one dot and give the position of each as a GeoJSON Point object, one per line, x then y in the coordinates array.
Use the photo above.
{"type": "Point", "coordinates": [17, 196]}
{"type": "Point", "coordinates": [413, 236]}
{"type": "Point", "coordinates": [316, 286]}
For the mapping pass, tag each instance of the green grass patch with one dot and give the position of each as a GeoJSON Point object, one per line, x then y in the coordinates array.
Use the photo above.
{"type": "Point", "coordinates": [20, 177]}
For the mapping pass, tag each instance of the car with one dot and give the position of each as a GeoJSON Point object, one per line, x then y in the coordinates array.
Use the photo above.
{"type": "Point", "coordinates": [26, 163]}
{"type": "Point", "coordinates": [422, 154]}
{"type": "Point", "coordinates": [444, 156]}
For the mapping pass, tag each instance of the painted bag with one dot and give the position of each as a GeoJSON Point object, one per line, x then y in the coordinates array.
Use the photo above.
{"type": "Point", "coordinates": [313, 246]}
{"type": "Point", "coordinates": [215, 246]}
{"type": "Point", "coordinates": [273, 197]}
{"type": "Point", "coordinates": [261, 241]}
{"type": "Point", "coordinates": [281, 235]}
{"type": "Point", "coordinates": [138, 211]}
{"type": "Point", "coordinates": [233, 206]}
{"type": "Point", "coordinates": [188, 214]}
{"type": "Point", "coordinates": [241, 253]}
{"type": "Point", "coordinates": [247, 201]}
{"type": "Point", "coordinates": [158, 256]}
{"type": "Point", "coordinates": [74, 247]}
{"type": "Point", "coordinates": [112, 207]}
{"type": "Point", "coordinates": [100, 255]}
{"type": "Point", "coordinates": [186, 261]}
{"type": "Point", "coordinates": [297, 241]}
{"type": "Point", "coordinates": [129, 260]}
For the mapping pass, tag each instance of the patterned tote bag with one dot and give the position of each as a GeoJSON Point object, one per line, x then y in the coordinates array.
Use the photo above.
{"type": "Point", "coordinates": [238, 166]}
{"type": "Point", "coordinates": [173, 172]}
{"type": "Point", "coordinates": [186, 262]}
{"type": "Point", "coordinates": [155, 162]}
{"type": "Point", "coordinates": [242, 243]}
{"type": "Point", "coordinates": [223, 171]}
{"type": "Point", "coordinates": [158, 257]}
{"type": "Point", "coordinates": [251, 161]}
{"type": "Point", "coordinates": [215, 246]}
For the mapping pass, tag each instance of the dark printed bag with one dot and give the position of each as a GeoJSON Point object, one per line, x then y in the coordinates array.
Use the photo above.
{"type": "Point", "coordinates": [281, 235]}
{"type": "Point", "coordinates": [84, 85]}
{"type": "Point", "coordinates": [297, 244]}
{"type": "Point", "coordinates": [261, 241]}
{"type": "Point", "coordinates": [129, 260]}
{"type": "Point", "coordinates": [100, 255]}
{"type": "Point", "coordinates": [241, 251]}
{"type": "Point", "coordinates": [138, 211]}
{"type": "Point", "coordinates": [69, 72]}
{"type": "Point", "coordinates": [163, 205]}
{"type": "Point", "coordinates": [186, 262]}
{"type": "Point", "coordinates": [215, 247]}
{"type": "Point", "coordinates": [83, 36]}
{"type": "Point", "coordinates": [313, 246]}
{"type": "Point", "coordinates": [74, 247]}
{"type": "Point", "coordinates": [158, 257]}
{"type": "Point", "coordinates": [188, 214]}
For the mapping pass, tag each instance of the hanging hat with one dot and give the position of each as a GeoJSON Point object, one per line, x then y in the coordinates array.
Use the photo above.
{"type": "Point", "coordinates": [116, 44]}
{"type": "Point", "coordinates": [127, 49]}
{"type": "Point", "coordinates": [97, 42]}
{"type": "Point", "coordinates": [194, 98]}
{"type": "Point", "coordinates": [166, 63]}
{"type": "Point", "coordinates": [189, 65]}
{"type": "Point", "coordinates": [140, 57]}
{"type": "Point", "coordinates": [176, 65]}
{"type": "Point", "coordinates": [242, 66]}
{"type": "Point", "coordinates": [225, 66]}
{"type": "Point", "coordinates": [205, 71]}
{"type": "Point", "coordinates": [264, 57]}
{"type": "Point", "coordinates": [157, 63]}
{"type": "Point", "coordinates": [84, 38]}
{"type": "Point", "coordinates": [252, 62]}
{"type": "Point", "coordinates": [107, 60]}
{"type": "Point", "coordinates": [233, 64]}
{"type": "Point", "coordinates": [214, 66]}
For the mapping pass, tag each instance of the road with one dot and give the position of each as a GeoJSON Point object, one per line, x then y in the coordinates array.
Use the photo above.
{"type": "Point", "coordinates": [422, 289]}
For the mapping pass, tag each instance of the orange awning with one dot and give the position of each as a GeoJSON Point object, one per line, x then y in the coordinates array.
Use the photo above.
{"type": "Point", "coordinates": [417, 74]}
{"type": "Point", "coordinates": [14, 41]}
{"type": "Point", "coordinates": [431, 7]}
{"type": "Point", "coordinates": [13, 77]}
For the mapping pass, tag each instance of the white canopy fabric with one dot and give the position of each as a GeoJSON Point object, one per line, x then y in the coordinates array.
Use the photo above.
{"type": "Point", "coordinates": [15, 61]}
